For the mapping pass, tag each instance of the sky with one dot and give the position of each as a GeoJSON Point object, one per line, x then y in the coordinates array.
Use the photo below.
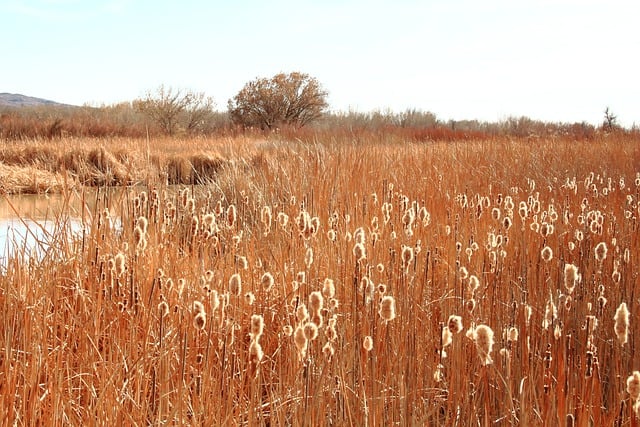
{"type": "Point", "coordinates": [552, 60]}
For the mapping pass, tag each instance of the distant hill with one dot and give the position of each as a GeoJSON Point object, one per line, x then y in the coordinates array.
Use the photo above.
{"type": "Point", "coordinates": [17, 100]}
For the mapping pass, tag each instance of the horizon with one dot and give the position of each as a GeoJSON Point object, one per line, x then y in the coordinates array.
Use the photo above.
{"type": "Point", "coordinates": [560, 63]}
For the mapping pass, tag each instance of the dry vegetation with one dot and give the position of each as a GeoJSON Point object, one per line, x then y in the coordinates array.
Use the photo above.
{"type": "Point", "coordinates": [320, 283]}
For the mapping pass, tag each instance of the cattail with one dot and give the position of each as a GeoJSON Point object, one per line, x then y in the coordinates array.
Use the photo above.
{"type": "Point", "coordinates": [301, 342]}
{"type": "Point", "coordinates": [380, 268]}
{"type": "Point", "coordinates": [249, 298]}
{"type": "Point", "coordinates": [308, 257]}
{"type": "Point", "coordinates": [570, 277]}
{"type": "Point", "coordinates": [198, 307]}
{"type": "Point", "coordinates": [483, 337]}
{"type": "Point", "coordinates": [265, 216]}
{"type": "Point", "coordinates": [633, 386]}
{"type": "Point", "coordinates": [243, 264]}
{"type": "Point", "coordinates": [143, 224]}
{"type": "Point", "coordinates": [316, 302]}
{"type": "Point", "coordinates": [200, 320]}
{"type": "Point", "coordinates": [255, 351]}
{"type": "Point", "coordinates": [470, 305]}
{"type": "Point", "coordinates": [407, 256]}
{"type": "Point", "coordinates": [267, 281]}
{"type": "Point", "coordinates": [119, 264]}
{"type": "Point", "coordinates": [328, 350]}
{"type": "Point", "coordinates": [283, 219]}
{"type": "Point", "coordinates": [310, 331]}
{"type": "Point", "coordinates": [328, 288]}
{"type": "Point", "coordinates": [231, 215]}
{"type": "Point", "coordinates": [302, 314]}
{"type": "Point", "coordinates": [257, 326]}
{"type": "Point", "coordinates": [512, 334]}
{"type": "Point", "coordinates": [235, 284]}
{"type": "Point", "coordinates": [550, 314]}
{"type": "Point", "coordinates": [163, 308]}
{"type": "Point", "coordinates": [367, 343]}
{"type": "Point", "coordinates": [601, 251]}
{"type": "Point", "coordinates": [454, 324]}
{"type": "Point", "coordinates": [621, 326]}
{"type": "Point", "coordinates": [464, 273]}
{"type": "Point", "coordinates": [474, 283]}
{"type": "Point", "coordinates": [547, 254]}
{"type": "Point", "coordinates": [387, 308]}
{"type": "Point", "coordinates": [359, 252]}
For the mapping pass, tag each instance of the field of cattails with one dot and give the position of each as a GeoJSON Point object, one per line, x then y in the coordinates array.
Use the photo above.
{"type": "Point", "coordinates": [487, 282]}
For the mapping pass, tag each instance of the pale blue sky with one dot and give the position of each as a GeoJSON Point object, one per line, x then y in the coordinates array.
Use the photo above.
{"type": "Point", "coordinates": [556, 60]}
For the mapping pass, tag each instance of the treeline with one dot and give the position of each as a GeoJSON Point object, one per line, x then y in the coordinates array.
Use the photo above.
{"type": "Point", "coordinates": [126, 120]}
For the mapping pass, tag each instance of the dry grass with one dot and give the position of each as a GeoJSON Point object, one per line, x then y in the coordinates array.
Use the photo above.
{"type": "Point", "coordinates": [155, 322]}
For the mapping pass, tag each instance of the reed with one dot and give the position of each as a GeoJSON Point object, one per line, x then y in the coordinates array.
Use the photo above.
{"type": "Point", "coordinates": [331, 282]}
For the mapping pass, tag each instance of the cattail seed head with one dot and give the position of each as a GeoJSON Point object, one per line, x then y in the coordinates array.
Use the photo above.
{"type": "Point", "coordinates": [387, 308]}
{"type": "Point", "coordinates": [310, 331]}
{"type": "Point", "coordinates": [367, 343]}
{"type": "Point", "coordinates": [287, 330]}
{"type": "Point", "coordinates": [601, 251]}
{"type": "Point", "coordinates": [483, 337]}
{"type": "Point", "coordinates": [570, 277]}
{"type": "Point", "coordinates": [547, 254]}
{"type": "Point", "coordinates": [255, 351]}
{"type": "Point", "coordinates": [257, 326]}
{"type": "Point", "coordinates": [198, 307]}
{"type": "Point", "coordinates": [267, 281]}
{"type": "Point", "coordinates": [302, 314]}
{"type": "Point", "coordinates": [249, 298]}
{"type": "Point", "coordinates": [512, 334]}
{"type": "Point", "coordinates": [119, 264]}
{"type": "Point", "coordinates": [316, 302]}
{"type": "Point", "coordinates": [621, 326]}
{"type": "Point", "coordinates": [359, 252]}
{"type": "Point", "coordinates": [328, 288]}
{"type": "Point", "coordinates": [407, 256]}
{"type": "Point", "coordinates": [200, 320]}
{"type": "Point", "coordinates": [633, 386]}
{"type": "Point", "coordinates": [163, 308]}
{"type": "Point", "coordinates": [235, 284]}
{"type": "Point", "coordinates": [455, 324]}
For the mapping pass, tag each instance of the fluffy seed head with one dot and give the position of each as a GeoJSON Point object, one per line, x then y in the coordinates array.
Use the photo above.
{"type": "Point", "coordinates": [257, 326]}
{"type": "Point", "coordinates": [547, 254]}
{"type": "Point", "coordinates": [454, 324]}
{"type": "Point", "coordinates": [601, 251]}
{"type": "Point", "coordinates": [621, 326]}
{"type": "Point", "coordinates": [200, 320]}
{"type": "Point", "coordinates": [267, 281]}
{"type": "Point", "coordinates": [570, 277]}
{"type": "Point", "coordinates": [483, 337]}
{"type": "Point", "coordinates": [359, 252]}
{"type": "Point", "coordinates": [367, 343]}
{"type": "Point", "coordinates": [235, 284]}
{"type": "Point", "coordinates": [387, 308]}
{"type": "Point", "coordinates": [316, 302]}
{"type": "Point", "coordinates": [310, 331]}
{"type": "Point", "coordinates": [255, 351]}
{"type": "Point", "coordinates": [328, 288]}
{"type": "Point", "coordinates": [633, 385]}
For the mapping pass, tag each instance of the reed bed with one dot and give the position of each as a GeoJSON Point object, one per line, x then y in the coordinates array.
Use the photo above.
{"type": "Point", "coordinates": [466, 283]}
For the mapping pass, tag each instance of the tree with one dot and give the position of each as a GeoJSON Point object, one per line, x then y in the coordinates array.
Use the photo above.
{"type": "Point", "coordinates": [610, 120]}
{"type": "Point", "coordinates": [285, 99]}
{"type": "Point", "coordinates": [174, 109]}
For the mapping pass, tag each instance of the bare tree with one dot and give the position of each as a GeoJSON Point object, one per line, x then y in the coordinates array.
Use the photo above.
{"type": "Point", "coordinates": [174, 109]}
{"type": "Point", "coordinates": [285, 99]}
{"type": "Point", "coordinates": [610, 120]}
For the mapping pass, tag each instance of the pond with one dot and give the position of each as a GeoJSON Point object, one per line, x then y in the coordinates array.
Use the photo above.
{"type": "Point", "coordinates": [35, 226]}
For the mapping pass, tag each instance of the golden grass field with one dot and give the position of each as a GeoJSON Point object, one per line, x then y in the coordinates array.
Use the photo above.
{"type": "Point", "coordinates": [319, 283]}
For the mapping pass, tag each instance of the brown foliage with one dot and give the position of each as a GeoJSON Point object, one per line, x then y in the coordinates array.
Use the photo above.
{"type": "Point", "coordinates": [293, 99]}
